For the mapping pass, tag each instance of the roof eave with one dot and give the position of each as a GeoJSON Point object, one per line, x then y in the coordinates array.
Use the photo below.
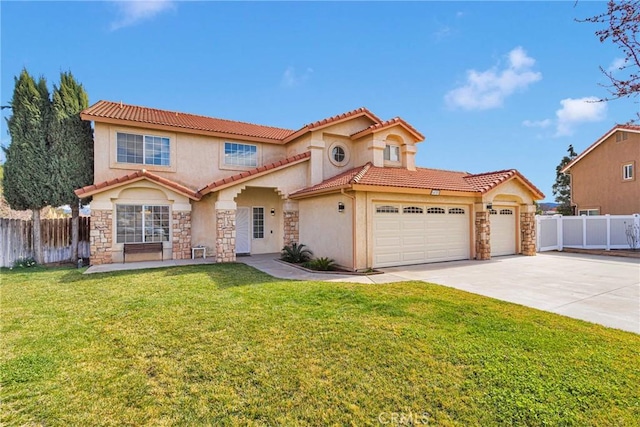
{"type": "Point", "coordinates": [133, 123]}
{"type": "Point", "coordinates": [306, 194]}
{"type": "Point", "coordinates": [212, 189]}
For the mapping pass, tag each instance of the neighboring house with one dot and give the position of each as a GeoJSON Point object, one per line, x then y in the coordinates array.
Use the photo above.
{"type": "Point", "coordinates": [346, 186]}
{"type": "Point", "coordinates": [603, 177]}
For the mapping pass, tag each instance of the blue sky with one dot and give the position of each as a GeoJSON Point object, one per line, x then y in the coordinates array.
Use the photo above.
{"type": "Point", "coordinates": [492, 85]}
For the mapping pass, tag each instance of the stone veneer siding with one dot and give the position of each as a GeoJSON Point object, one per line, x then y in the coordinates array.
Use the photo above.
{"type": "Point", "coordinates": [291, 227]}
{"type": "Point", "coordinates": [181, 234]}
{"type": "Point", "coordinates": [528, 230]}
{"type": "Point", "coordinates": [483, 236]}
{"type": "Point", "coordinates": [225, 235]}
{"type": "Point", "coordinates": [101, 236]}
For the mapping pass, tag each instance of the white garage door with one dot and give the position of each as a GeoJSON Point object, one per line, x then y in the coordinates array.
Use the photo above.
{"type": "Point", "coordinates": [413, 233]}
{"type": "Point", "coordinates": [503, 231]}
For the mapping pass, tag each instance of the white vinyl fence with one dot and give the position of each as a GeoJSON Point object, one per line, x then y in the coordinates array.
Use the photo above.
{"type": "Point", "coordinates": [587, 232]}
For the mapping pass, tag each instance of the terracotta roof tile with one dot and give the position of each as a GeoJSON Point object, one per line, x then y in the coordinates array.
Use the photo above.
{"type": "Point", "coordinates": [331, 120]}
{"type": "Point", "coordinates": [386, 124]}
{"type": "Point", "coordinates": [243, 176]}
{"type": "Point", "coordinates": [119, 111]}
{"type": "Point", "coordinates": [421, 178]}
{"type": "Point", "coordinates": [136, 176]}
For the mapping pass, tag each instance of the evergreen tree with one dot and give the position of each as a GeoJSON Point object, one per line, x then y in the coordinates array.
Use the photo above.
{"type": "Point", "coordinates": [71, 149]}
{"type": "Point", "coordinates": [27, 174]}
{"type": "Point", "coordinates": [562, 187]}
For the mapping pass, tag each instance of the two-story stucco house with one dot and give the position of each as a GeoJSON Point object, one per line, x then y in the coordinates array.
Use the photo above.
{"type": "Point", "coordinates": [346, 186]}
{"type": "Point", "coordinates": [603, 177]}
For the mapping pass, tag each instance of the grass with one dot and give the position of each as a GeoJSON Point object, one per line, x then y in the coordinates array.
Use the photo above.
{"type": "Point", "coordinates": [227, 345]}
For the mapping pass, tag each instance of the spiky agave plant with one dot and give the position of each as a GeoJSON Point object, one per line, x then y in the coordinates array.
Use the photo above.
{"type": "Point", "coordinates": [295, 253]}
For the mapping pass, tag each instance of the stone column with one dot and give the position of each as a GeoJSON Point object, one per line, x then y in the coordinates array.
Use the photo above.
{"type": "Point", "coordinates": [101, 236]}
{"type": "Point", "coordinates": [483, 235]}
{"type": "Point", "coordinates": [291, 224]}
{"type": "Point", "coordinates": [528, 230]}
{"type": "Point", "coordinates": [181, 239]}
{"type": "Point", "coordinates": [225, 235]}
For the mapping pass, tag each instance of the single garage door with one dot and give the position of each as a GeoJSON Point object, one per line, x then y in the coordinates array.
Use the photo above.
{"type": "Point", "coordinates": [503, 231]}
{"type": "Point", "coordinates": [413, 233]}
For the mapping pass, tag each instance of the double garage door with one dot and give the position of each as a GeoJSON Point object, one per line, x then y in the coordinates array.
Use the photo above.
{"type": "Point", "coordinates": [413, 233]}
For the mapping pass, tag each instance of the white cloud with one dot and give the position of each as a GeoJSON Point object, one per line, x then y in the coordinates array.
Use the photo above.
{"type": "Point", "coordinates": [134, 11]}
{"type": "Point", "coordinates": [488, 89]}
{"type": "Point", "coordinates": [537, 123]}
{"type": "Point", "coordinates": [576, 111]}
{"type": "Point", "coordinates": [616, 65]}
{"type": "Point", "coordinates": [291, 78]}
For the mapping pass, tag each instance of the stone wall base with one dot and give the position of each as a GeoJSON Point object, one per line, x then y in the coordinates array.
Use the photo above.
{"type": "Point", "coordinates": [225, 235]}
{"type": "Point", "coordinates": [181, 241]}
{"type": "Point", "coordinates": [101, 237]}
{"type": "Point", "coordinates": [291, 227]}
{"type": "Point", "coordinates": [483, 236]}
{"type": "Point", "coordinates": [528, 233]}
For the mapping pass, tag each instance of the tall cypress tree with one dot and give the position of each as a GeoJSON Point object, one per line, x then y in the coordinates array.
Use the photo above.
{"type": "Point", "coordinates": [562, 187]}
{"type": "Point", "coordinates": [27, 171]}
{"type": "Point", "coordinates": [71, 149]}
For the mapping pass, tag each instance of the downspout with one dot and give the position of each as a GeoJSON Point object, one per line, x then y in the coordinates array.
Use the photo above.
{"type": "Point", "coordinates": [353, 227]}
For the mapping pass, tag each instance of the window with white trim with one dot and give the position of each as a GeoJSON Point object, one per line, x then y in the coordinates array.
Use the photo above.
{"type": "Point", "coordinates": [456, 211]}
{"type": "Point", "coordinates": [142, 223]}
{"type": "Point", "coordinates": [392, 153]}
{"type": "Point", "coordinates": [240, 154]}
{"type": "Point", "coordinates": [588, 212]}
{"type": "Point", "coordinates": [143, 149]}
{"type": "Point", "coordinates": [436, 211]}
{"type": "Point", "coordinates": [258, 223]}
{"type": "Point", "coordinates": [506, 212]}
{"type": "Point", "coordinates": [627, 171]}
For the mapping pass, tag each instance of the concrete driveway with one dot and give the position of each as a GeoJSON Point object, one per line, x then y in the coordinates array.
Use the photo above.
{"type": "Point", "coordinates": [599, 289]}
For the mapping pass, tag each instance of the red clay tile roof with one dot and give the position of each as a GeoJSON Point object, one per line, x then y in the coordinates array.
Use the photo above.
{"type": "Point", "coordinates": [421, 178]}
{"type": "Point", "coordinates": [107, 111]}
{"type": "Point", "coordinates": [132, 177]}
{"type": "Point", "coordinates": [632, 128]}
{"type": "Point", "coordinates": [332, 120]}
{"type": "Point", "coordinates": [119, 111]}
{"type": "Point", "coordinates": [486, 181]}
{"type": "Point", "coordinates": [243, 176]}
{"type": "Point", "coordinates": [386, 124]}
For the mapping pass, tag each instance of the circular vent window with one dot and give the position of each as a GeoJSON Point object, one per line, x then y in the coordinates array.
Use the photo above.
{"type": "Point", "coordinates": [338, 154]}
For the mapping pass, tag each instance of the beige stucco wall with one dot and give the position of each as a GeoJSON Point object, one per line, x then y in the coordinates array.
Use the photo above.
{"type": "Point", "coordinates": [195, 160]}
{"type": "Point", "coordinates": [142, 192]}
{"type": "Point", "coordinates": [596, 180]}
{"type": "Point", "coordinates": [203, 223]}
{"type": "Point", "coordinates": [327, 232]}
{"type": "Point", "coordinates": [511, 191]}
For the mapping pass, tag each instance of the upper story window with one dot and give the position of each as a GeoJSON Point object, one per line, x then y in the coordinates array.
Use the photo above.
{"type": "Point", "coordinates": [627, 171]}
{"type": "Point", "coordinates": [622, 136]}
{"type": "Point", "coordinates": [143, 149]}
{"type": "Point", "coordinates": [338, 154]}
{"type": "Point", "coordinates": [240, 154]}
{"type": "Point", "coordinates": [392, 153]}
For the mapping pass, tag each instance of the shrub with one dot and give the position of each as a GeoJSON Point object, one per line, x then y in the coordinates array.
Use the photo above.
{"type": "Point", "coordinates": [321, 264]}
{"type": "Point", "coordinates": [295, 253]}
{"type": "Point", "coordinates": [25, 263]}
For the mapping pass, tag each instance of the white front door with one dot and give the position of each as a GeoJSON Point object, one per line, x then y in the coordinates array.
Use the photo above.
{"type": "Point", "coordinates": [243, 240]}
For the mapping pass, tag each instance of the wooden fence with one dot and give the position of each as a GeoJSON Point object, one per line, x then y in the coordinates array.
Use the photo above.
{"type": "Point", "coordinates": [16, 241]}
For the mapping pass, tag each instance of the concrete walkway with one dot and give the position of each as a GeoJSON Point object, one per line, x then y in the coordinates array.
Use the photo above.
{"type": "Point", "coordinates": [598, 289]}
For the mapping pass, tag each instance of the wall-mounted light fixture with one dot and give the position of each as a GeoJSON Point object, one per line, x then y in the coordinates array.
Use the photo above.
{"type": "Point", "coordinates": [489, 205]}
{"type": "Point", "coordinates": [435, 192]}
{"type": "Point", "coordinates": [273, 212]}
{"type": "Point", "coordinates": [340, 207]}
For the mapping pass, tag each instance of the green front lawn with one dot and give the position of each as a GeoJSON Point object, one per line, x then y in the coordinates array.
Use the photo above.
{"type": "Point", "coordinates": [225, 344]}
